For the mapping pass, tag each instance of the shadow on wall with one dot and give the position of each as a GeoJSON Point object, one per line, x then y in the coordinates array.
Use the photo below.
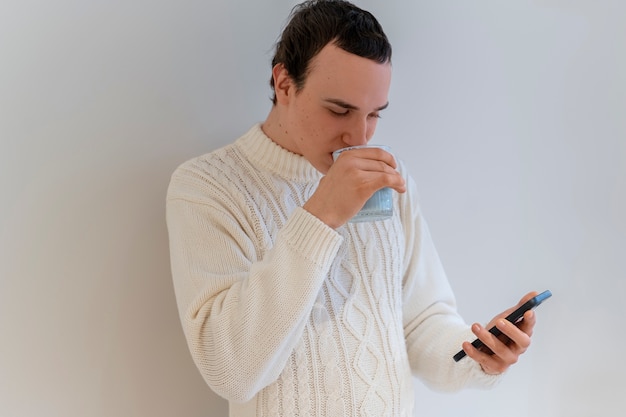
{"type": "Point", "coordinates": [148, 369]}
{"type": "Point", "coordinates": [90, 249]}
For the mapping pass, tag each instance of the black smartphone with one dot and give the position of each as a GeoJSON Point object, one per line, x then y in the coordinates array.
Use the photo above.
{"type": "Point", "coordinates": [515, 317]}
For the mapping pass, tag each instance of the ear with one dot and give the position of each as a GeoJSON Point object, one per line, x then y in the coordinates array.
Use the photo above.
{"type": "Point", "coordinates": [283, 84]}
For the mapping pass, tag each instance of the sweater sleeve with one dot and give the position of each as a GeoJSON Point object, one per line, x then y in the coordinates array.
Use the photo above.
{"type": "Point", "coordinates": [243, 316]}
{"type": "Point", "coordinates": [434, 331]}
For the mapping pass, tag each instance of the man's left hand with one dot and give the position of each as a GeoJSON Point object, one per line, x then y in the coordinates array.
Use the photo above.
{"type": "Point", "coordinates": [500, 352]}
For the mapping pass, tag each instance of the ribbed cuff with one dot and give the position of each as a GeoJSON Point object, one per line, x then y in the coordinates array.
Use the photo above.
{"type": "Point", "coordinates": [313, 238]}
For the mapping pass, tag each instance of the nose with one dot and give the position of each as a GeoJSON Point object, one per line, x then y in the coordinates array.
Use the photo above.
{"type": "Point", "coordinates": [357, 133]}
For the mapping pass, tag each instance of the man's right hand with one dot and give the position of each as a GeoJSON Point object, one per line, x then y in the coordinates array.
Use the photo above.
{"type": "Point", "coordinates": [354, 177]}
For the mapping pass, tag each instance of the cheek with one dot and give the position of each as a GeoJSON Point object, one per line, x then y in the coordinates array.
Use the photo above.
{"type": "Point", "coordinates": [307, 120]}
{"type": "Point", "coordinates": [316, 124]}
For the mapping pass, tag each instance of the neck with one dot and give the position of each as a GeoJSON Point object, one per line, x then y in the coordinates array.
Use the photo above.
{"type": "Point", "coordinates": [276, 130]}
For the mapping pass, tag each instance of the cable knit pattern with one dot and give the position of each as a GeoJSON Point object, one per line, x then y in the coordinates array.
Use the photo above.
{"type": "Point", "coordinates": [285, 316]}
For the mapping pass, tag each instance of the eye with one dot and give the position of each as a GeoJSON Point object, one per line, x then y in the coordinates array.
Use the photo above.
{"type": "Point", "coordinates": [339, 113]}
{"type": "Point", "coordinates": [375, 116]}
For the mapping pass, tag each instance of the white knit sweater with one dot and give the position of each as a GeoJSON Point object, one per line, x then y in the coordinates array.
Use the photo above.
{"type": "Point", "coordinates": [285, 316]}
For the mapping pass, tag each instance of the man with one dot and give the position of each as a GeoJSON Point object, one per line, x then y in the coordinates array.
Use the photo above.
{"type": "Point", "coordinates": [287, 308]}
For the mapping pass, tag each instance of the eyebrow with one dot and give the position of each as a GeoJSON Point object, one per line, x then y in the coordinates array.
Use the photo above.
{"type": "Point", "coordinates": [349, 106]}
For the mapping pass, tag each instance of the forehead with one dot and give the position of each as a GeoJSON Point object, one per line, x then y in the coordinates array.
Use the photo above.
{"type": "Point", "coordinates": [337, 73]}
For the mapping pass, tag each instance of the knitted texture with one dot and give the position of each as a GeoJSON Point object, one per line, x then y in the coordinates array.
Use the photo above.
{"type": "Point", "coordinates": [285, 316]}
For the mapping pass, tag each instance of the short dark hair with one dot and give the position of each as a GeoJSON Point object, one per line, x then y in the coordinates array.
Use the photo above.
{"type": "Point", "coordinates": [315, 23]}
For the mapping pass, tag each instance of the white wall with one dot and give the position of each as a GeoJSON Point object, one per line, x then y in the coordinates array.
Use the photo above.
{"type": "Point", "coordinates": [510, 115]}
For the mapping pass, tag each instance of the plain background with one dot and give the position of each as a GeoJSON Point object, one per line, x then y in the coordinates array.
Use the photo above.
{"type": "Point", "coordinates": [510, 115]}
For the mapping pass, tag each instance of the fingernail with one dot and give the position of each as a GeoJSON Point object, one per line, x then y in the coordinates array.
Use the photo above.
{"type": "Point", "coordinates": [502, 323]}
{"type": "Point", "coordinates": [476, 327]}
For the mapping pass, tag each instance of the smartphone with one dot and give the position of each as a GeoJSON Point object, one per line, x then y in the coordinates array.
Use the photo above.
{"type": "Point", "coordinates": [515, 317]}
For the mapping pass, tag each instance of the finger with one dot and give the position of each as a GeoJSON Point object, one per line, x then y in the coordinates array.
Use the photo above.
{"type": "Point", "coordinates": [373, 174]}
{"type": "Point", "coordinates": [528, 323]}
{"type": "Point", "coordinates": [379, 154]}
{"type": "Point", "coordinates": [508, 311]}
{"type": "Point", "coordinates": [518, 340]}
{"type": "Point", "coordinates": [505, 350]}
{"type": "Point", "coordinates": [490, 363]}
{"type": "Point", "coordinates": [396, 181]}
{"type": "Point", "coordinates": [371, 164]}
{"type": "Point", "coordinates": [527, 297]}
{"type": "Point", "coordinates": [371, 154]}
{"type": "Point", "coordinates": [375, 181]}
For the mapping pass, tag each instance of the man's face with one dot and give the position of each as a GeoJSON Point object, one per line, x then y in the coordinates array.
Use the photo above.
{"type": "Point", "coordinates": [338, 106]}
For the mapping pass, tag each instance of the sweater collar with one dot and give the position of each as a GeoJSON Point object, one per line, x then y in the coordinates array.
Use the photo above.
{"type": "Point", "coordinates": [267, 154]}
